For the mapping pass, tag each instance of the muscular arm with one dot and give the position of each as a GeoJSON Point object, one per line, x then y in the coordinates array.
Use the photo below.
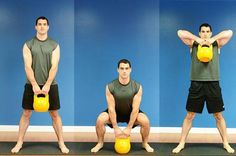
{"type": "Point", "coordinates": [112, 113]}
{"type": "Point", "coordinates": [222, 38]}
{"type": "Point", "coordinates": [188, 38]}
{"type": "Point", "coordinates": [135, 105]}
{"type": "Point", "coordinates": [53, 70]}
{"type": "Point", "coordinates": [111, 108]}
{"type": "Point", "coordinates": [28, 69]}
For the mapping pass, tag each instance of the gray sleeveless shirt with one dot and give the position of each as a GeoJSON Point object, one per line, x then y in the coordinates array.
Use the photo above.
{"type": "Point", "coordinates": [41, 52]}
{"type": "Point", "coordinates": [123, 95]}
{"type": "Point", "coordinates": [201, 71]}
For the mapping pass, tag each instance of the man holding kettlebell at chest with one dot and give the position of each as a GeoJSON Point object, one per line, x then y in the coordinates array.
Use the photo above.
{"type": "Point", "coordinates": [41, 56]}
{"type": "Point", "coordinates": [123, 100]}
{"type": "Point", "coordinates": [204, 80]}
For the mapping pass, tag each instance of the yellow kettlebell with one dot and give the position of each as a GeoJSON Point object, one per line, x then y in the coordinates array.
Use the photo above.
{"type": "Point", "coordinates": [41, 103]}
{"type": "Point", "coordinates": [122, 145]}
{"type": "Point", "coordinates": [204, 53]}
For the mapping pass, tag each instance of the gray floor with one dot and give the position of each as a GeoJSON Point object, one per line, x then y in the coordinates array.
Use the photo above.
{"type": "Point", "coordinates": [79, 148]}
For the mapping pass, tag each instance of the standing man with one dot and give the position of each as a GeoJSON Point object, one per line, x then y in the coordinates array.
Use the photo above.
{"type": "Point", "coordinates": [123, 100]}
{"type": "Point", "coordinates": [204, 82]}
{"type": "Point", "coordinates": [41, 57]}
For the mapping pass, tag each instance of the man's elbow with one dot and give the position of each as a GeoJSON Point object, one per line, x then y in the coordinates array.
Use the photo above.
{"type": "Point", "coordinates": [54, 67]}
{"type": "Point", "coordinates": [27, 68]}
{"type": "Point", "coordinates": [135, 110]}
{"type": "Point", "coordinates": [179, 33]}
{"type": "Point", "coordinates": [230, 33]}
{"type": "Point", "coordinates": [111, 110]}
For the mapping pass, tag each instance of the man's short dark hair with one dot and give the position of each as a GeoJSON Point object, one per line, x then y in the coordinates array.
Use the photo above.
{"type": "Point", "coordinates": [205, 25]}
{"type": "Point", "coordinates": [123, 61]}
{"type": "Point", "coordinates": [43, 18]}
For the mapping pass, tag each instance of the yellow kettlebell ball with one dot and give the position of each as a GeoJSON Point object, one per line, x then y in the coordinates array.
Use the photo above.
{"type": "Point", "coordinates": [41, 103]}
{"type": "Point", "coordinates": [122, 145]}
{"type": "Point", "coordinates": [204, 53]}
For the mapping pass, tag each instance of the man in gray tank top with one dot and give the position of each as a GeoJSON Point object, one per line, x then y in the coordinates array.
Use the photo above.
{"type": "Point", "coordinates": [41, 57]}
{"type": "Point", "coordinates": [123, 100]}
{"type": "Point", "coordinates": [204, 81]}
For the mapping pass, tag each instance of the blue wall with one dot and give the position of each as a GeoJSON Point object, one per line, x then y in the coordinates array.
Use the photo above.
{"type": "Point", "coordinates": [106, 31]}
{"type": "Point", "coordinates": [175, 58]}
{"type": "Point", "coordinates": [17, 21]}
{"type": "Point", "coordinates": [94, 35]}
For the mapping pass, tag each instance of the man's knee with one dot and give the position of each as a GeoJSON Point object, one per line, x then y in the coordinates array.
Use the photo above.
{"type": "Point", "coordinates": [218, 116]}
{"type": "Point", "coordinates": [102, 119]}
{"type": "Point", "coordinates": [54, 114]}
{"type": "Point", "coordinates": [190, 116]}
{"type": "Point", "coordinates": [143, 120]}
{"type": "Point", "coordinates": [27, 113]}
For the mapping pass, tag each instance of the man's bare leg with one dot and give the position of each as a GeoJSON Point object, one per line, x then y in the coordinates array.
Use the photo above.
{"type": "Point", "coordinates": [57, 125]}
{"type": "Point", "coordinates": [143, 121]}
{"type": "Point", "coordinates": [23, 126]}
{"type": "Point", "coordinates": [187, 125]}
{"type": "Point", "coordinates": [103, 118]}
{"type": "Point", "coordinates": [221, 125]}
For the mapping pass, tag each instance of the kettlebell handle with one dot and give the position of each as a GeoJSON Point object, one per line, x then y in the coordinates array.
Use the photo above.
{"type": "Point", "coordinates": [41, 95]}
{"type": "Point", "coordinates": [204, 45]}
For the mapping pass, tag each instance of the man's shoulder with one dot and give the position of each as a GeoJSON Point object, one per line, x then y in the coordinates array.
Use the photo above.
{"type": "Point", "coordinates": [112, 85]}
{"type": "Point", "coordinates": [117, 81]}
{"type": "Point", "coordinates": [34, 40]}
{"type": "Point", "coordinates": [135, 85]}
{"type": "Point", "coordinates": [52, 40]}
{"type": "Point", "coordinates": [135, 82]}
{"type": "Point", "coordinates": [30, 42]}
{"type": "Point", "coordinates": [113, 82]}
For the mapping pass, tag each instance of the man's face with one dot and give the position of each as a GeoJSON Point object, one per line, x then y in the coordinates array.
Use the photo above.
{"type": "Point", "coordinates": [205, 33]}
{"type": "Point", "coordinates": [42, 26]}
{"type": "Point", "coordinates": [124, 70]}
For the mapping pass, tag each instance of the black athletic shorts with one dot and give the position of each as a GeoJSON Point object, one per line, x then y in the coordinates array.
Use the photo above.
{"type": "Point", "coordinates": [201, 91]}
{"type": "Point", "coordinates": [122, 119]}
{"type": "Point", "coordinates": [28, 97]}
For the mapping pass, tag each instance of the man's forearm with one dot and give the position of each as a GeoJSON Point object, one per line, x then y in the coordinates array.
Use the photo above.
{"type": "Point", "coordinates": [112, 115]}
{"type": "Point", "coordinates": [222, 35]}
{"type": "Point", "coordinates": [133, 117]}
{"type": "Point", "coordinates": [52, 75]}
{"type": "Point", "coordinates": [187, 35]}
{"type": "Point", "coordinates": [30, 76]}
